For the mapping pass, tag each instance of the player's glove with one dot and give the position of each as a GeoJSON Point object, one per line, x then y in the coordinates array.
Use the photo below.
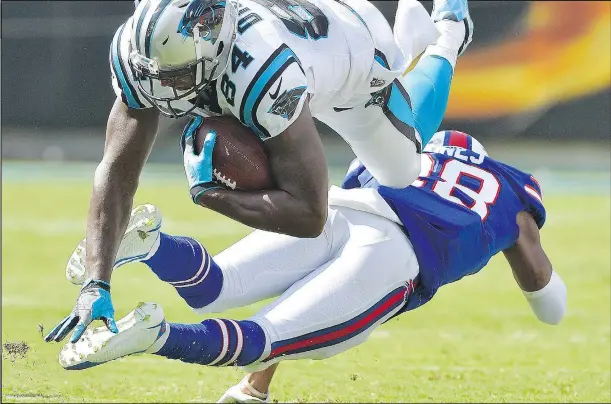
{"type": "Point", "coordinates": [198, 167]}
{"type": "Point", "coordinates": [93, 303]}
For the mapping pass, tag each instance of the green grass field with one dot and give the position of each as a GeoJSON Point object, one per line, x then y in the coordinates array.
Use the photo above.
{"type": "Point", "coordinates": [476, 341]}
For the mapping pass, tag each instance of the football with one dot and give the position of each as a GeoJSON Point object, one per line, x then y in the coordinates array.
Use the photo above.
{"type": "Point", "coordinates": [239, 158]}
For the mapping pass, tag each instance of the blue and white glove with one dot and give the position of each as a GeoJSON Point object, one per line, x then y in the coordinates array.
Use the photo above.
{"type": "Point", "coordinates": [198, 167]}
{"type": "Point", "coordinates": [93, 303]}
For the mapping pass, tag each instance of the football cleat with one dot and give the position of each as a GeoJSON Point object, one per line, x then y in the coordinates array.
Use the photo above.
{"type": "Point", "coordinates": [455, 10]}
{"type": "Point", "coordinates": [139, 243]}
{"type": "Point", "coordinates": [234, 394]}
{"type": "Point", "coordinates": [138, 331]}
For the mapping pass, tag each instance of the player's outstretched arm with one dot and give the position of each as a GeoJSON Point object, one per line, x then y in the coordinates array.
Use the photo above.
{"type": "Point", "coordinates": [130, 134]}
{"type": "Point", "coordinates": [541, 285]}
{"type": "Point", "coordinates": [298, 207]}
{"type": "Point", "coordinates": [129, 137]}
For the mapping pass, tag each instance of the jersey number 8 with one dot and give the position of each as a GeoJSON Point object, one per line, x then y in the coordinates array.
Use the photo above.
{"type": "Point", "coordinates": [464, 184]}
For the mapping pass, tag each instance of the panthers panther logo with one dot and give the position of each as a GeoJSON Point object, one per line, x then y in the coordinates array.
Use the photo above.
{"type": "Point", "coordinates": [286, 103]}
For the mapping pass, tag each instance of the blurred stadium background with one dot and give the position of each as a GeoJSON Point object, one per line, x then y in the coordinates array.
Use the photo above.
{"type": "Point", "coordinates": [534, 87]}
{"type": "Point", "coordinates": [536, 78]}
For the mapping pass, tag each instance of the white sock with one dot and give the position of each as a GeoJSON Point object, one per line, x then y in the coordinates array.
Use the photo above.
{"type": "Point", "coordinates": [451, 38]}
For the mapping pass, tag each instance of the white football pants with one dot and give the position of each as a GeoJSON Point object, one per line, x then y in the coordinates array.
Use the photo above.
{"type": "Point", "coordinates": [333, 290]}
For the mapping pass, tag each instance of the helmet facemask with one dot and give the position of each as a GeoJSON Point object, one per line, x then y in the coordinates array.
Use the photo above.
{"type": "Point", "coordinates": [210, 26]}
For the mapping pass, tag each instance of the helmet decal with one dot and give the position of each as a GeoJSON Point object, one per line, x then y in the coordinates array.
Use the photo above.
{"type": "Point", "coordinates": [151, 26]}
{"type": "Point", "coordinates": [196, 14]}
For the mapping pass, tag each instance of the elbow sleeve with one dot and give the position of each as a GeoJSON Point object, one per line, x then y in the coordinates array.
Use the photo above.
{"type": "Point", "coordinates": [549, 303]}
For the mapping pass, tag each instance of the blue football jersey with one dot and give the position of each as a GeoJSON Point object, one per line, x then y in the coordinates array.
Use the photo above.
{"type": "Point", "coordinates": [459, 213]}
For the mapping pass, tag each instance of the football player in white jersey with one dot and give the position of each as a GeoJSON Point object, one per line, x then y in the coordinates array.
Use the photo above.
{"type": "Point", "coordinates": [274, 65]}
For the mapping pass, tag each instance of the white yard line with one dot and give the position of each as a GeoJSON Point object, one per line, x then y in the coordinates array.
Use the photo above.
{"type": "Point", "coordinates": [55, 227]}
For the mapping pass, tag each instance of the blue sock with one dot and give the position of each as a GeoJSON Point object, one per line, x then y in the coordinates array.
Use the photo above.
{"type": "Point", "coordinates": [186, 265]}
{"type": "Point", "coordinates": [428, 86]}
{"type": "Point", "coordinates": [215, 342]}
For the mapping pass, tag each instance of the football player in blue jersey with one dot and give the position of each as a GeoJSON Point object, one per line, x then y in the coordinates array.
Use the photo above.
{"type": "Point", "coordinates": [383, 252]}
{"type": "Point", "coordinates": [473, 207]}
{"type": "Point", "coordinates": [275, 66]}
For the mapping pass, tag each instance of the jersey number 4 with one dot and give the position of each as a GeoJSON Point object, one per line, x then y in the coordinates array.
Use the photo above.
{"type": "Point", "coordinates": [463, 184]}
{"type": "Point", "coordinates": [239, 59]}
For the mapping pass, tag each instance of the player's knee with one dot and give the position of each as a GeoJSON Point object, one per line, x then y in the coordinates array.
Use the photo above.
{"type": "Point", "coordinates": [413, 170]}
{"type": "Point", "coordinates": [402, 176]}
{"type": "Point", "coordinates": [400, 165]}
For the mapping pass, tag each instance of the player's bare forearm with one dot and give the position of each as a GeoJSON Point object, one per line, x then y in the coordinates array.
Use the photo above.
{"type": "Point", "coordinates": [275, 211]}
{"type": "Point", "coordinates": [529, 263]}
{"type": "Point", "coordinates": [298, 207]}
{"type": "Point", "coordinates": [130, 135]}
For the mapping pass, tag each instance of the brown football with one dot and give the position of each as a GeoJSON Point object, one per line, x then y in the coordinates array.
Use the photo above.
{"type": "Point", "coordinates": [239, 158]}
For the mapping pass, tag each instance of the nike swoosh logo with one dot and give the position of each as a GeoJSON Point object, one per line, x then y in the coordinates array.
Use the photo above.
{"type": "Point", "coordinates": [336, 109]}
{"type": "Point", "coordinates": [149, 328]}
{"type": "Point", "coordinates": [275, 94]}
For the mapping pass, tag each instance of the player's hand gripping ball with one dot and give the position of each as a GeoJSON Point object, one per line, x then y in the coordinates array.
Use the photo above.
{"type": "Point", "coordinates": [198, 166]}
{"type": "Point", "coordinates": [239, 158]}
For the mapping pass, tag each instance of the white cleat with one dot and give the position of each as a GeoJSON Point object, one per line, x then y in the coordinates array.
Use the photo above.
{"type": "Point", "coordinates": [455, 10]}
{"type": "Point", "coordinates": [235, 395]}
{"type": "Point", "coordinates": [138, 331]}
{"type": "Point", "coordinates": [139, 243]}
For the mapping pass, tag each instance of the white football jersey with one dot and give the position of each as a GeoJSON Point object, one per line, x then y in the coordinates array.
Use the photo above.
{"type": "Point", "coordinates": [336, 51]}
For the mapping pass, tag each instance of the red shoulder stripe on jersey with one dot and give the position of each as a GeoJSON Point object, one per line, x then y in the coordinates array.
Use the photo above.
{"type": "Point", "coordinates": [537, 183]}
{"type": "Point", "coordinates": [533, 192]}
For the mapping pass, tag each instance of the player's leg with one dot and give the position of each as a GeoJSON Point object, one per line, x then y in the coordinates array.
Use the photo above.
{"type": "Point", "coordinates": [265, 264]}
{"type": "Point", "coordinates": [329, 311]}
{"type": "Point", "coordinates": [428, 84]}
{"type": "Point", "coordinates": [388, 131]}
{"type": "Point", "coordinates": [384, 141]}
{"type": "Point", "coordinates": [338, 306]}
{"type": "Point", "coordinates": [253, 388]}
{"type": "Point", "coordinates": [259, 266]}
